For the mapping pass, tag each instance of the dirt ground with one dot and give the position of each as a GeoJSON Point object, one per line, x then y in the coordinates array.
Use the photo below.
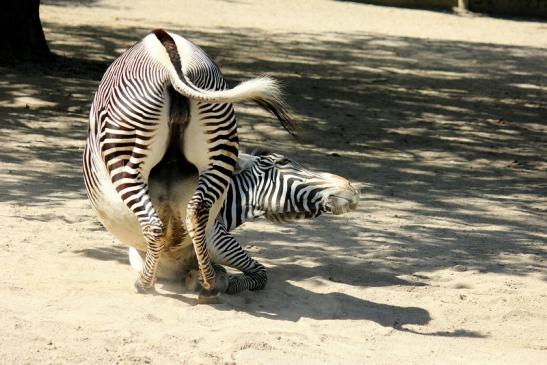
{"type": "Point", "coordinates": [441, 120]}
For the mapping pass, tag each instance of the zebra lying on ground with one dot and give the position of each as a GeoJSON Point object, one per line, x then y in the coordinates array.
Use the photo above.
{"type": "Point", "coordinates": [164, 92]}
{"type": "Point", "coordinates": [268, 185]}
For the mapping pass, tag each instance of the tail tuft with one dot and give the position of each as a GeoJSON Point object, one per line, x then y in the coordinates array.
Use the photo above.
{"type": "Point", "coordinates": [271, 100]}
{"type": "Point", "coordinates": [281, 112]}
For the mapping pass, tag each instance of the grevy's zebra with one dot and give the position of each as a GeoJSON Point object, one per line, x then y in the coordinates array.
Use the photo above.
{"type": "Point", "coordinates": [164, 91]}
{"type": "Point", "coordinates": [268, 185]}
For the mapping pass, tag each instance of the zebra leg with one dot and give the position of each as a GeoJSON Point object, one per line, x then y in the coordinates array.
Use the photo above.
{"type": "Point", "coordinates": [134, 191]}
{"type": "Point", "coordinates": [138, 262]}
{"type": "Point", "coordinates": [227, 251]}
{"type": "Point", "coordinates": [151, 226]}
{"type": "Point", "coordinates": [197, 221]}
{"type": "Point", "coordinates": [153, 232]}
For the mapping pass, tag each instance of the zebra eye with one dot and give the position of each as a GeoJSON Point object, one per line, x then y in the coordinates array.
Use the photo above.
{"type": "Point", "coordinates": [283, 162]}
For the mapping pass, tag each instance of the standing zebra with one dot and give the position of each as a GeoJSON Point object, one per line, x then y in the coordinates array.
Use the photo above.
{"type": "Point", "coordinates": [267, 184]}
{"type": "Point", "coordinates": [166, 93]}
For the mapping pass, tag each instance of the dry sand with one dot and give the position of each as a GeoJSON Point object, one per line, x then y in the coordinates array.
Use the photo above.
{"type": "Point", "coordinates": [440, 118]}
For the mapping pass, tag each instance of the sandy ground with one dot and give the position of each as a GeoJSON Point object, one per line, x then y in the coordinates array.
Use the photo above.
{"type": "Point", "coordinates": [440, 118]}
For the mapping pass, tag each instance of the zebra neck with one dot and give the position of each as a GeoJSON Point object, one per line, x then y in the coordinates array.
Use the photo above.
{"type": "Point", "coordinates": [242, 201]}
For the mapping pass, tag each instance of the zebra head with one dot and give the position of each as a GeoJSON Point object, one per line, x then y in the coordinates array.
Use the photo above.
{"type": "Point", "coordinates": [282, 189]}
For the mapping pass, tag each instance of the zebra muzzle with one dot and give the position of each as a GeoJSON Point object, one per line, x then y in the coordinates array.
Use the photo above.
{"type": "Point", "coordinates": [342, 201]}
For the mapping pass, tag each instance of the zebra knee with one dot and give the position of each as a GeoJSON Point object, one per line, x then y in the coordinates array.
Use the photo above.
{"type": "Point", "coordinates": [153, 231]}
{"type": "Point", "coordinates": [259, 278]}
{"type": "Point", "coordinates": [251, 280]}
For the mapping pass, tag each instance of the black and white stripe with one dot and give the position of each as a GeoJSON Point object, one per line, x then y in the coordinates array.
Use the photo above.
{"type": "Point", "coordinates": [275, 187]}
{"type": "Point", "coordinates": [132, 119]}
{"type": "Point", "coordinates": [279, 189]}
{"type": "Point", "coordinates": [266, 185]}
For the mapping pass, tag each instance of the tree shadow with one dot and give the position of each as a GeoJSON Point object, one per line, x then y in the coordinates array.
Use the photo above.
{"type": "Point", "coordinates": [69, 2]}
{"type": "Point", "coordinates": [115, 253]}
{"type": "Point", "coordinates": [530, 11]}
{"type": "Point", "coordinates": [440, 134]}
{"type": "Point", "coordinates": [441, 6]}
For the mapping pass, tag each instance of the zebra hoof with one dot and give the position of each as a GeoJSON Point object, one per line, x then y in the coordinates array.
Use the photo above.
{"type": "Point", "coordinates": [209, 297]}
{"type": "Point", "coordinates": [144, 289]}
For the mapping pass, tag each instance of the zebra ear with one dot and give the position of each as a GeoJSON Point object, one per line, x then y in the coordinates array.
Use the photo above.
{"type": "Point", "coordinates": [243, 162]}
{"type": "Point", "coordinates": [260, 152]}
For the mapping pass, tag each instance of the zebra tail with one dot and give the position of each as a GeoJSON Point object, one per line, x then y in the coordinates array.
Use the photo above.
{"type": "Point", "coordinates": [264, 91]}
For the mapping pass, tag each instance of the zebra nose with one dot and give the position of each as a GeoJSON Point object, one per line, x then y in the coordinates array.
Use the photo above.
{"type": "Point", "coordinates": [354, 196]}
{"type": "Point", "coordinates": [346, 186]}
{"type": "Point", "coordinates": [344, 197]}
{"type": "Point", "coordinates": [351, 194]}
